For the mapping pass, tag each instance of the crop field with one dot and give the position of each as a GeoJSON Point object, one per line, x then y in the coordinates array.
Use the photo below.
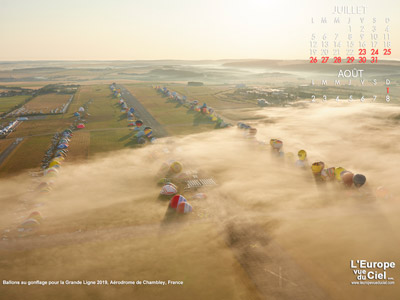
{"type": "Point", "coordinates": [218, 97]}
{"type": "Point", "coordinates": [38, 127]}
{"type": "Point", "coordinates": [79, 146]}
{"type": "Point", "coordinates": [4, 143]}
{"type": "Point", "coordinates": [104, 111]}
{"type": "Point", "coordinates": [47, 103]}
{"type": "Point", "coordinates": [7, 103]}
{"type": "Point", "coordinates": [27, 155]}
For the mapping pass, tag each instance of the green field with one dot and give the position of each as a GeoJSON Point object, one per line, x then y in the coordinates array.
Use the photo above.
{"type": "Point", "coordinates": [106, 125]}
{"type": "Point", "coordinates": [40, 127]}
{"type": "Point", "coordinates": [218, 97]}
{"type": "Point", "coordinates": [27, 155]}
{"type": "Point", "coordinates": [7, 103]}
{"type": "Point", "coordinates": [104, 110]}
{"type": "Point", "coordinates": [176, 118]}
{"type": "Point", "coordinates": [110, 140]}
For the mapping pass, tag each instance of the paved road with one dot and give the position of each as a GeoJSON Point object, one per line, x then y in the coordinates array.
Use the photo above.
{"type": "Point", "coordinates": [145, 116]}
{"type": "Point", "coordinates": [8, 150]}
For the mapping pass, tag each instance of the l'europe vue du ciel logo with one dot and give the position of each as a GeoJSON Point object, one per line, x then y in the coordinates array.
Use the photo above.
{"type": "Point", "coordinates": [375, 271]}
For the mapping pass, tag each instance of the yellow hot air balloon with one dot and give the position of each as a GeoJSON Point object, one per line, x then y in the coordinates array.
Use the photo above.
{"type": "Point", "coordinates": [338, 171]}
{"type": "Point", "coordinates": [302, 154]}
{"type": "Point", "coordinates": [53, 163]}
{"type": "Point", "coordinates": [317, 167]}
{"type": "Point", "coordinates": [176, 167]}
{"type": "Point", "coordinates": [58, 158]}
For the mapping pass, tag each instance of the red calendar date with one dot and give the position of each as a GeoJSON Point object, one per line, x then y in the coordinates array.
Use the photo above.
{"type": "Point", "coordinates": [387, 51]}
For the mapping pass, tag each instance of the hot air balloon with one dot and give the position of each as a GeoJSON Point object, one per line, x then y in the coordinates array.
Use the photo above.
{"type": "Point", "coordinates": [29, 225]}
{"type": "Point", "coordinates": [175, 167]}
{"type": "Point", "coordinates": [184, 208]}
{"type": "Point", "coordinates": [53, 163]}
{"type": "Point", "coordinates": [200, 196]}
{"type": "Point", "coordinates": [276, 144]}
{"type": "Point", "coordinates": [338, 171]}
{"type": "Point", "coordinates": [168, 190]}
{"type": "Point", "coordinates": [62, 146]}
{"type": "Point", "coordinates": [317, 167]}
{"type": "Point", "coordinates": [176, 200]}
{"type": "Point", "coordinates": [359, 180]}
{"type": "Point", "coordinates": [148, 132]}
{"type": "Point", "coordinates": [328, 174]}
{"type": "Point", "coordinates": [302, 154]}
{"type": "Point", "coordinates": [347, 178]}
{"type": "Point", "coordinates": [36, 216]}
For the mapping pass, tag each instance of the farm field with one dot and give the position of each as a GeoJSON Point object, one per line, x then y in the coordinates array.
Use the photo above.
{"type": "Point", "coordinates": [46, 103]}
{"type": "Point", "coordinates": [27, 155]}
{"type": "Point", "coordinates": [218, 97]}
{"type": "Point", "coordinates": [79, 146]}
{"type": "Point", "coordinates": [40, 127]}
{"type": "Point", "coordinates": [7, 103]}
{"type": "Point", "coordinates": [4, 143]}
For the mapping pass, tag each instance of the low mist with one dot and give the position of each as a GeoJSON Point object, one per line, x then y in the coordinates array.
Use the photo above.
{"type": "Point", "coordinates": [262, 208]}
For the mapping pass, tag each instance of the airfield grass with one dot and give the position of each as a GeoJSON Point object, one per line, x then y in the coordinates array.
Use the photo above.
{"type": "Point", "coordinates": [110, 140]}
{"type": "Point", "coordinates": [7, 103]}
{"type": "Point", "coordinates": [27, 155]}
{"type": "Point", "coordinates": [47, 102]}
{"type": "Point", "coordinates": [104, 110]}
{"type": "Point", "coordinates": [176, 118]}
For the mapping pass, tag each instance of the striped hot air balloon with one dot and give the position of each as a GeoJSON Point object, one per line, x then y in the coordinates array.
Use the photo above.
{"type": "Point", "coordinates": [184, 208]}
{"type": "Point", "coordinates": [168, 190]}
{"type": "Point", "coordinates": [148, 132]}
{"type": "Point", "coordinates": [176, 200]}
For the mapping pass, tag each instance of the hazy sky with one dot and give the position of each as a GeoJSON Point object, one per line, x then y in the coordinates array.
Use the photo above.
{"type": "Point", "coordinates": [172, 29]}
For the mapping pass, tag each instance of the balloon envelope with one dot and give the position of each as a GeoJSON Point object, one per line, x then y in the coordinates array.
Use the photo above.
{"type": "Point", "coordinates": [184, 208]}
{"type": "Point", "coordinates": [347, 178]}
{"type": "Point", "coordinates": [176, 167]}
{"type": "Point", "coordinates": [359, 180]}
{"type": "Point", "coordinates": [176, 200]}
{"type": "Point", "coordinates": [168, 190]}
